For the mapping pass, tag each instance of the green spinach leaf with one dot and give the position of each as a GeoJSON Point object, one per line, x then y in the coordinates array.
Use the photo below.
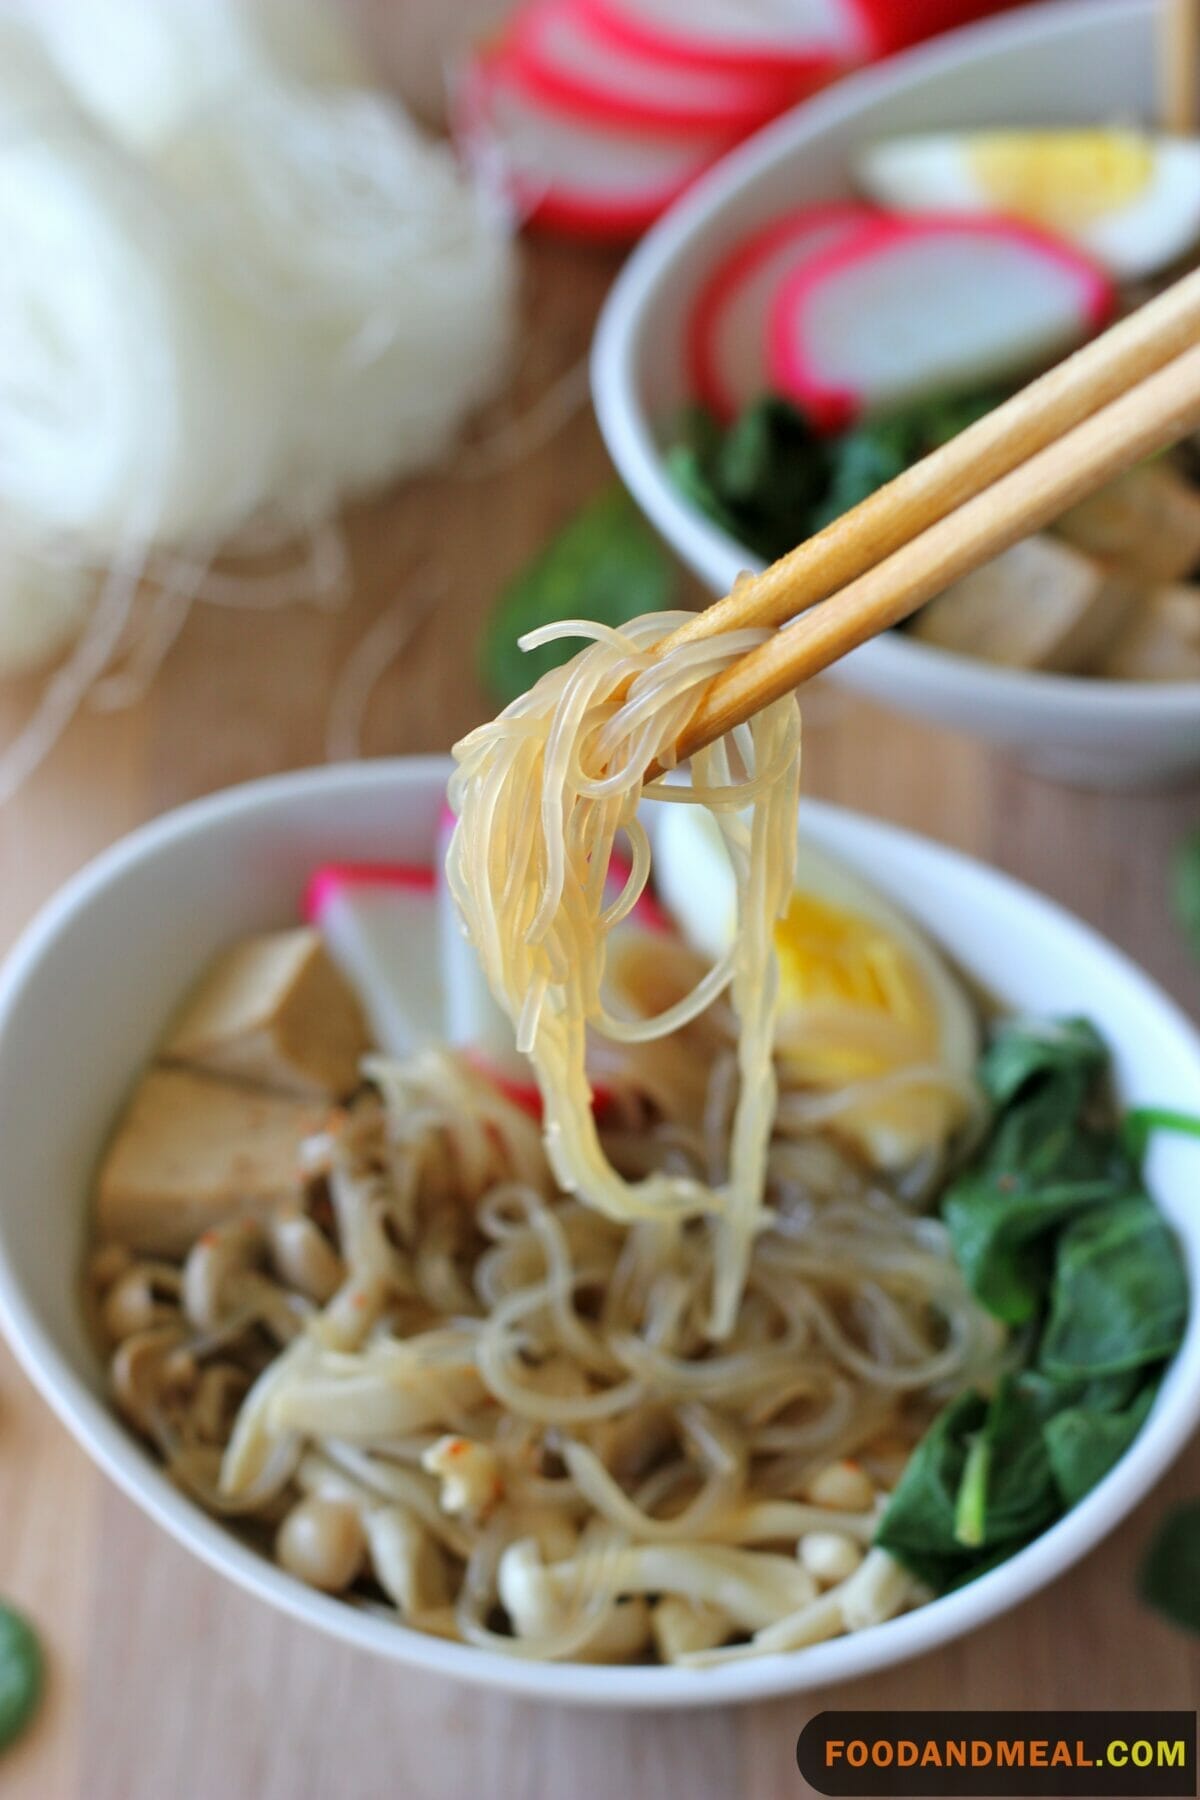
{"type": "Point", "coordinates": [1104, 1394]}
{"type": "Point", "coordinates": [760, 479]}
{"type": "Point", "coordinates": [1169, 1579]}
{"type": "Point", "coordinates": [875, 452]}
{"type": "Point", "coordinates": [1002, 1231]}
{"type": "Point", "coordinates": [690, 461]}
{"type": "Point", "coordinates": [920, 1524]}
{"type": "Point", "coordinates": [1046, 1137]}
{"type": "Point", "coordinates": [1185, 888]}
{"type": "Point", "coordinates": [771, 464]}
{"type": "Point", "coordinates": [1023, 1050]}
{"type": "Point", "coordinates": [863, 461]}
{"type": "Point", "coordinates": [689, 472]}
{"type": "Point", "coordinates": [945, 415]}
{"type": "Point", "coordinates": [1054, 1234]}
{"type": "Point", "coordinates": [1044, 1163]}
{"type": "Point", "coordinates": [1084, 1442]}
{"type": "Point", "coordinates": [1017, 1497]}
{"type": "Point", "coordinates": [1119, 1295]}
{"type": "Point", "coordinates": [770, 481]}
{"type": "Point", "coordinates": [20, 1673]}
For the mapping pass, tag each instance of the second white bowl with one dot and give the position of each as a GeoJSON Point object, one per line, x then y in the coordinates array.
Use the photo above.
{"type": "Point", "coordinates": [1082, 63]}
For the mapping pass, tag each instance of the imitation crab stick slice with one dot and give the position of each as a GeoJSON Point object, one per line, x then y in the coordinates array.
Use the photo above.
{"type": "Point", "coordinates": [813, 39]}
{"type": "Point", "coordinates": [392, 930]}
{"type": "Point", "coordinates": [907, 308]}
{"type": "Point", "coordinates": [565, 173]}
{"type": "Point", "coordinates": [570, 60]}
{"type": "Point", "coordinates": [727, 339]}
{"type": "Point", "coordinates": [379, 922]}
{"type": "Point", "coordinates": [892, 25]}
{"type": "Point", "coordinates": [473, 1019]}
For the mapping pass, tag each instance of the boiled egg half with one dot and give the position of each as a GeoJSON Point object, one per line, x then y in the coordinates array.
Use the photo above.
{"type": "Point", "coordinates": [866, 1002]}
{"type": "Point", "coordinates": [1130, 198]}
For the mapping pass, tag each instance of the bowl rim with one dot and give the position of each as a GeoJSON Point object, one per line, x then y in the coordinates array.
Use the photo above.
{"type": "Point", "coordinates": [105, 1439]}
{"type": "Point", "coordinates": [629, 436]}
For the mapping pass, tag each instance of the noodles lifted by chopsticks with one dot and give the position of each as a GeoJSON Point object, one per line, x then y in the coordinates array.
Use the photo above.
{"type": "Point", "coordinates": [576, 752]}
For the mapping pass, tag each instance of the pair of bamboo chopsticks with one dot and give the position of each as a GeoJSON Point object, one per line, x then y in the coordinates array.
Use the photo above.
{"type": "Point", "coordinates": [1178, 44]}
{"type": "Point", "coordinates": [1128, 394]}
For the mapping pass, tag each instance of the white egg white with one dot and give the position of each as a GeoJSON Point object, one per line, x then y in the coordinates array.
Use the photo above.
{"type": "Point", "coordinates": [696, 884]}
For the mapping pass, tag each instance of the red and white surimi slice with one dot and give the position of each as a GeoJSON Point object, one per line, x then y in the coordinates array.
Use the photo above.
{"type": "Point", "coordinates": [907, 308]}
{"type": "Point", "coordinates": [380, 923]}
{"type": "Point", "coordinates": [727, 338]}
{"type": "Point", "coordinates": [394, 931]}
{"type": "Point", "coordinates": [570, 174]}
{"type": "Point", "coordinates": [811, 38]}
{"type": "Point", "coordinates": [473, 1019]}
{"type": "Point", "coordinates": [388, 928]}
{"type": "Point", "coordinates": [892, 25]}
{"type": "Point", "coordinates": [568, 59]}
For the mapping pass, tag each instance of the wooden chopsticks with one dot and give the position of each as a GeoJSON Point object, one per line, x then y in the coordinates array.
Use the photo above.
{"type": "Point", "coordinates": [1151, 416]}
{"type": "Point", "coordinates": [1131, 392]}
{"type": "Point", "coordinates": [1179, 64]}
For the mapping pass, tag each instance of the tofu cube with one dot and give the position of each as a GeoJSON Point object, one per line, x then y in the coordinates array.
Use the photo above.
{"type": "Point", "coordinates": [192, 1151]}
{"type": "Point", "coordinates": [1146, 522]}
{"type": "Point", "coordinates": [1039, 605]}
{"type": "Point", "coordinates": [1161, 639]}
{"type": "Point", "coordinates": [275, 1011]}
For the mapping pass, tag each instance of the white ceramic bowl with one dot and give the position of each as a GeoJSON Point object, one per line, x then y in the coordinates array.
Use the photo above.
{"type": "Point", "coordinates": [1090, 62]}
{"type": "Point", "coordinates": [85, 993]}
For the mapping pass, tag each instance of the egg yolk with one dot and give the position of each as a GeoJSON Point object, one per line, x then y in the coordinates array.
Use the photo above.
{"type": "Point", "coordinates": [852, 1002]}
{"type": "Point", "coordinates": [1061, 178]}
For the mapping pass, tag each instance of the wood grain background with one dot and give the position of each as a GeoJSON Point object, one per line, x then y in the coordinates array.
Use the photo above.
{"type": "Point", "coordinates": [168, 1684]}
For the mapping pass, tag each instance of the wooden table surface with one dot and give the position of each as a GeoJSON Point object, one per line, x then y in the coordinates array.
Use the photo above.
{"type": "Point", "coordinates": [166, 1683]}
